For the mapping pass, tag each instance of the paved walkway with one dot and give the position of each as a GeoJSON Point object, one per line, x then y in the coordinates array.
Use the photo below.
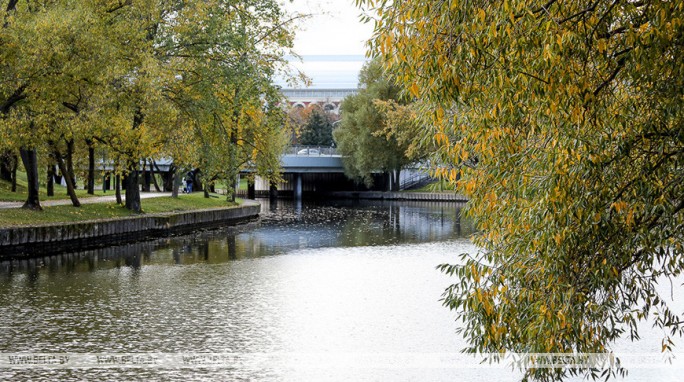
{"type": "Point", "coordinates": [91, 200]}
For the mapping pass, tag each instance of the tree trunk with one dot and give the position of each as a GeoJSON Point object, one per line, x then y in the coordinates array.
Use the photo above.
{"type": "Point", "coordinates": [145, 177]}
{"type": "Point", "coordinates": [132, 188]}
{"type": "Point", "coordinates": [106, 182]}
{"type": "Point", "coordinates": [58, 177]}
{"type": "Point", "coordinates": [177, 179]}
{"type": "Point", "coordinates": [273, 190]}
{"type": "Point", "coordinates": [117, 188]}
{"type": "Point", "coordinates": [197, 181]}
{"type": "Point", "coordinates": [6, 166]}
{"type": "Point", "coordinates": [68, 178]}
{"type": "Point", "coordinates": [30, 160]}
{"type": "Point", "coordinates": [166, 181]}
{"type": "Point", "coordinates": [168, 178]}
{"type": "Point", "coordinates": [51, 180]}
{"type": "Point", "coordinates": [91, 167]}
{"type": "Point", "coordinates": [69, 165]}
{"type": "Point", "coordinates": [393, 180]}
{"type": "Point", "coordinates": [236, 185]}
{"type": "Point", "coordinates": [155, 183]}
{"type": "Point", "coordinates": [152, 175]}
{"type": "Point", "coordinates": [233, 151]}
{"type": "Point", "coordinates": [15, 164]}
{"type": "Point", "coordinates": [397, 179]}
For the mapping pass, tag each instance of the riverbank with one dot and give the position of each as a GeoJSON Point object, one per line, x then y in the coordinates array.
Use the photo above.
{"type": "Point", "coordinates": [96, 208]}
{"type": "Point", "coordinates": [42, 239]}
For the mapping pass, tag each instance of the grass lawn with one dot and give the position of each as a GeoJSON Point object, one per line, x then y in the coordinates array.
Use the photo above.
{"type": "Point", "coordinates": [195, 201]}
{"type": "Point", "coordinates": [6, 193]}
{"type": "Point", "coordinates": [222, 186]}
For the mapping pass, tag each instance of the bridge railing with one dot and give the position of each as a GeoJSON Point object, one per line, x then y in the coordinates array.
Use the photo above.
{"type": "Point", "coordinates": [416, 180]}
{"type": "Point", "coordinates": [311, 151]}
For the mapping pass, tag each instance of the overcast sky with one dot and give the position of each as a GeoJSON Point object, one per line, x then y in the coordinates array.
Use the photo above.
{"type": "Point", "coordinates": [333, 30]}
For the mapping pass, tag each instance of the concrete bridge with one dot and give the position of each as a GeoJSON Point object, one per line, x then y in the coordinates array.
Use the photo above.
{"type": "Point", "coordinates": [306, 170]}
{"type": "Point", "coordinates": [310, 170]}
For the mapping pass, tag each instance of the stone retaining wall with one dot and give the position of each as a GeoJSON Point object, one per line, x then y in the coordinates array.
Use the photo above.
{"type": "Point", "coordinates": [56, 238]}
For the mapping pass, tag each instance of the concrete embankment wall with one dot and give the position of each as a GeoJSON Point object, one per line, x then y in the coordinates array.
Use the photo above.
{"type": "Point", "coordinates": [378, 195]}
{"type": "Point", "coordinates": [55, 238]}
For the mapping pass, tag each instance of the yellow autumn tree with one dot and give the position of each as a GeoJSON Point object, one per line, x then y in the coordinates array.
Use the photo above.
{"type": "Point", "coordinates": [139, 79]}
{"type": "Point", "coordinates": [226, 54]}
{"type": "Point", "coordinates": [565, 122]}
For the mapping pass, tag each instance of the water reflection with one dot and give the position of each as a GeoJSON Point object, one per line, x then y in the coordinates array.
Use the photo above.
{"type": "Point", "coordinates": [284, 226]}
{"type": "Point", "coordinates": [329, 277]}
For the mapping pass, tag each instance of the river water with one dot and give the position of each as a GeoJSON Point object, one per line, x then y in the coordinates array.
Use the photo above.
{"type": "Point", "coordinates": [339, 291]}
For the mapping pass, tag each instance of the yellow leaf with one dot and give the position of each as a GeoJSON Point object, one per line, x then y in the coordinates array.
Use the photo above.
{"type": "Point", "coordinates": [630, 217]}
{"type": "Point", "coordinates": [415, 90]}
{"type": "Point", "coordinates": [454, 5]}
{"type": "Point", "coordinates": [602, 45]}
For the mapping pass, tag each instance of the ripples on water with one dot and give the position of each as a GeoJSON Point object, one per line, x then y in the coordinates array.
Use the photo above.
{"type": "Point", "coordinates": [339, 279]}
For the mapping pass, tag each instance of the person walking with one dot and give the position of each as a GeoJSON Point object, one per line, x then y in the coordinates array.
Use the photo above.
{"type": "Point", "coordinates": [188, 181]}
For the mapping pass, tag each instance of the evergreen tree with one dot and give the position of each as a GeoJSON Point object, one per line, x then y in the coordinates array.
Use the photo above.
{"type": "Point", "coordinates": [318, 129]}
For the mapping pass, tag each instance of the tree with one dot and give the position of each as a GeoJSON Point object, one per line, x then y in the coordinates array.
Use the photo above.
{"type": "Point", "coordinates": [317, 131]}
{"type": "Point", "coordinates": [565, 121]}
{"type": "Point", "coordinates": [226, 89]}
{"type": "Point", "coordinates": [38, 45]}
{"type": "Point", "coordinates": [297, 116]}
{"type": "Point", "coordinates": [60, 60]}
{"type": "Point", "coordinates": [364, 137]}
{"type": "Point", "coordinates": [137, 80]}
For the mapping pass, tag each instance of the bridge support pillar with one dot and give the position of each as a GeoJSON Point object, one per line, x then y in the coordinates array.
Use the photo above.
{"type": "Point", "coordinates": [147, 179]}
{"type": "Point", "coordinates": [167, 180]}
{"type": "Point", "coordinates": [251, 191]}
{"type": "Point", "coordinates": [273, 191]}
{"type": "Point", "coordinates": [298, 187]}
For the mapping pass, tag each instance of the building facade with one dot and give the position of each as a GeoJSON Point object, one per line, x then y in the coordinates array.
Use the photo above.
{"type": "Point", "coordinates": [328, 99]}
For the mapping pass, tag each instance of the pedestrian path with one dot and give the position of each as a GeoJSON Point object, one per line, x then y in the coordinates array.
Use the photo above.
{"type": "Point", "coordinates": [91, 200]}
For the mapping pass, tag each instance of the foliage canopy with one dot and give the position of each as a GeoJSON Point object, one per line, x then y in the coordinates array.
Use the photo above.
{"type": "Point", "coordinates": [565, 121]}
{"type": "Point", "coordinates": [366, 136]}
{"type": "Point", "coordinates": [139, 79]}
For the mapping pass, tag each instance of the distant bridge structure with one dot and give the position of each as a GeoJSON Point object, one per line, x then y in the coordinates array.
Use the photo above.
{"type": "Point", "coordinates": [306, 171]}
{"type": "Point", "coordinates": [309, 170]}
{"type": "Point", "coordinates": [328, 99]}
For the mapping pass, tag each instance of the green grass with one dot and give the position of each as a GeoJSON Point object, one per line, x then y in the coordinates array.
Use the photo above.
{"type": "Point", "coordinates": [65, 214]}
{"type": "Point", "coordinates": [220, 185]}
{"type": "Point", "coordinates": [7, 195]}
